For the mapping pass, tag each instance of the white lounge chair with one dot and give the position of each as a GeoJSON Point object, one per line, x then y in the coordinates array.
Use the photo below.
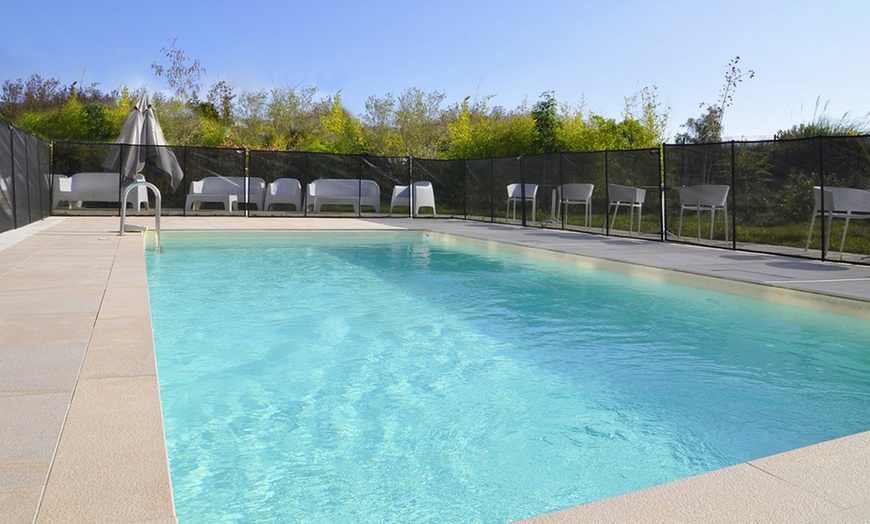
{"type": "Point", "coordinates": [515, 194]}
{"type": "Point", "coordinates": [96, 187]}
{"type": "Point", "coordinates": [226, 190]}
{"type": "Point", "coordinates": [575, 194]}
{"type": "Point", "coordinates": [284, 191]}
{"type": "Point", "coordinates": [421, 196]}
{"type": "Point", "coordinates": [839, 202]}
{"type": "Point", "coordinates": [339, 191]}
{"type": "Point", "coordinates": [625, 196]}
{"type": "Point", "coordinates": [704, 198]}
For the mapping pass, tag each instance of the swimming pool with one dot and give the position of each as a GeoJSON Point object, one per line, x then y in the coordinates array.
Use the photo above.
{"type": "Point", "coordinates": [401, 379]}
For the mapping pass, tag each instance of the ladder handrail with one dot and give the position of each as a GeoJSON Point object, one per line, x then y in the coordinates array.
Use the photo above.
{"type": "Point", "coordinates": [157, 198]}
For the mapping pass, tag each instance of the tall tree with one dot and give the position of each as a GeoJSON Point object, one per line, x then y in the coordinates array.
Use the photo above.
{"type": "Point", "coordinates": [547, 125]}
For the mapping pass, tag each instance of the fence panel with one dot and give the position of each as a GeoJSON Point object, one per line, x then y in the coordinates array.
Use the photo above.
{"type": "Point", "coordinates": [7, 197]}
{"type": "Point", "coordinates": [272, 166]}
{"type": "Point", "coordinates": [448, 184]}
{"type": "Point", "coordinates": [845, 167]}
{"type": "Point", "coordinates": [640, 172]}
{"type": "Point", "coordinates": [582, 168]}
{"type": "Point", "coordinates": [479, 194]}
{"type": "Point", "coordinates": [199, 163]}
{"type": "Point", "coordinates": [506, 172]}
{"type": "Point", "coordinates": [21, 186]}
{"type": "Point", "coordinates": [387, 172]}
{"type": "Point", "coordinates": [699, 189]}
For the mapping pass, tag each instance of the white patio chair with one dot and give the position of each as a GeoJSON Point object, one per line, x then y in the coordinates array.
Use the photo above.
{"type": "Point", "coordinates": [625, 196]}
{"type": "Point", "coordinates": [423, 196]}
{"type": "Point", "coordinates": [515, 194]}
{"type": "Point", "coordinates": [704, 197]}
{"type": "Point", "coordinates": [575, 194]}
{"type": "Point", "coordinates": [839, 202]}
{"type": "Point", "coordinates": [284, 191]}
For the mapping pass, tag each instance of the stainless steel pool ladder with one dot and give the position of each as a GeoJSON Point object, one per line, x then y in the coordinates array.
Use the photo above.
{"type": "Point", "coordinates": [157, 199]}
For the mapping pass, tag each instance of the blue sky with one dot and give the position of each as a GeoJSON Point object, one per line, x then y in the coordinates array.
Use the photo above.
{"type": "Point", "coordinates": [598, 51]}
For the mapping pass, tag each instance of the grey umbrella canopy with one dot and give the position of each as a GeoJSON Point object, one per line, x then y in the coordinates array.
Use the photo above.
{"type": "Point", "coordinates": [141, 146]}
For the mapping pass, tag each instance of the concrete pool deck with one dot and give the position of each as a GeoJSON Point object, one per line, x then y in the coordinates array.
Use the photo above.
{"type": "Point", "coordinates": [81, 431]}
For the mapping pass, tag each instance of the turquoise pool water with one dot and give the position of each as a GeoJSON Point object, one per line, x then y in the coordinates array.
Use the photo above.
{"type": "Point", "coordinates": [397, 379]}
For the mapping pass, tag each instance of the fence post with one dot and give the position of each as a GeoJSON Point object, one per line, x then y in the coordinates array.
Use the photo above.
{"type": "Point", "coordinates": [663, 193]}
{"type": "Point", "coordinates": [562, 218]}
{"type": "Point", "coordinates": [606, 193]}
{"type": "Point", "coordinates": [12, 172]}
{"type": "Point", "coordinates": [523, 186]}
{"type": "Point", "coordinates": [825, 238]}
{"type": "Point", "coordinates": [733, 197]}
{"type": "Point", "coordinates": [492, 190]}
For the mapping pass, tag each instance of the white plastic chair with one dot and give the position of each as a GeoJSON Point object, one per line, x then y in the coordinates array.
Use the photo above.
{"type": "Point", "coordinates": [625, 196]}
{"type": "Point", "coordinates": [575, 194]}
{"type": "Point", "coordinates": [284, 191]}
{"type": "Point", "coordinates": [840, 202]}
{"type": "Point", "coordinates": [423, 196]}
{"type": "Point", "coordinates": [704, 197]}
{"type": "Point", "coordinates": [515, 194]}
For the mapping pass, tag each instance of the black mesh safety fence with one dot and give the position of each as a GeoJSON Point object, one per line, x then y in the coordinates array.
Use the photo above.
{"type": "Point", "coordinates": [845, 180]}
{"type": "Point", "coordinates": [694, 177]}
{"type": "Point", "coordinates": [7, 184]}
{"type": "Point", "coordinates": [806, 198]}
{"type": "Point", "coordinates": [634, 193]}
{"type": "Point", "coordinates": [479, 198]}
{"type": "Point", "coordinates": [773, 194]}
{"type": "Point", "coordinates": [101, 193]}
{"type": "Point", "coordinates": [448, 181]}
{"type": "Point", "coordinates": [581, 200]}
{"type": "Point", "coordinates": [209, 174]}
{"type": "Point", "coordinates": [25, 178]}
{"type": "Point", "coordinates": [286, 175]}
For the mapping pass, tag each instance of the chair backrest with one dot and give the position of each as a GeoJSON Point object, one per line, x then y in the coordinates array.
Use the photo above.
{"type": "Point", "coordinates": [221, 185]}
{"type": "Point", "coordinates": [424, 194]}
{"type": "Point", "coordinates": [95, 182]}
{"type": "Point", "coordinates": [829, 199]}
{"type": "Point", "coordinates": [626, 194]}
{"type": "Point", "coordinates": [285, 186]}
{"type": "Point", "coordinates": [402, 192]}
{"type": "Point", "coordinates": [846, 200]}
{"type": "Point", "coordinates": [516, 190]}
{"type": "Point", "coordinates": [343, 187]}
{"type": "Point", "coordinates": [577, 192]}
{"type": "Point", "coordinates": [704, 195]}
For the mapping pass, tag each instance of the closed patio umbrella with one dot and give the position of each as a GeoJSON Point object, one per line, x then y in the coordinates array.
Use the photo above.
{"type": "Point", "coordinates": [141, 146]}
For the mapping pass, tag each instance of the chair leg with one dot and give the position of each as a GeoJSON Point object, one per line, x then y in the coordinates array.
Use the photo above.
{"type": "Point", "coordinates": [725, 214]}
{"type": "Point", "coordinates": [615, 209]}
{"type": "Point", "coordinates": [843, 238]}
{"type": "Point", "coordinates": [827, 233]}
{"type": "Point", "coordinates": [699, 223]}
{"type": "Point", "coordinates": [712, 221]}
{"type": "Point", "coordinates": [680, 228]}
{"type": "Point", "coordinates": [810, 235]}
